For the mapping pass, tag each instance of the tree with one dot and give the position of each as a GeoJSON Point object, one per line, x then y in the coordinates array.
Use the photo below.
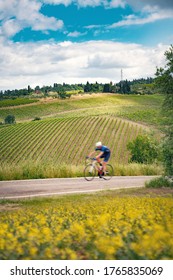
{"type": "Point", "coordinates": [29, 89]}
{"type": "Point", "coordinates": [164, 82]}
{"type": "Point", "coordinates": [1, 94]}
{"type": "Point", "coordinates": [143, 150]}
{"type": "Point", "coordinates": [62, 94]}
{"type": "Point", "coordinates": [10, 119]}
{"type": "Point", "coordinates": [125, 87]}
{"type": "Point", "coordinates": [107, 88]}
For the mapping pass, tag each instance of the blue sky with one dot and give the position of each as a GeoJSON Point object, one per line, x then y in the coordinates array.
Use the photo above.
{"type": "Point", "coordinates": [95, 23]}
{"type": "Point", "coordinates": [73, 41]}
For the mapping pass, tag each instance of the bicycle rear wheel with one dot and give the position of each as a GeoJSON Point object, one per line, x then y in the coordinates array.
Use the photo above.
{"type": "Point", "coordinates": [109, 172]}
{"type": "Point", "coordinates": [89, 172]}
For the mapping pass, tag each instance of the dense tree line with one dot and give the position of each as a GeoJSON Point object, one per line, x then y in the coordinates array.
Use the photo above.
{"type": "Point", "coordinates": [121, 87]}
{"type": "Point", "coordinates": [142, 81]}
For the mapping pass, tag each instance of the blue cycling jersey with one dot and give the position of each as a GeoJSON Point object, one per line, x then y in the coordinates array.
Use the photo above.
{"type": "Point", "coordinates": [103, 149]}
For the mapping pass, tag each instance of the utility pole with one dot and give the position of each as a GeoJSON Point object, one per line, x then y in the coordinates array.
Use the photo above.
{"type": "Point", "coordinates": [121, 75]}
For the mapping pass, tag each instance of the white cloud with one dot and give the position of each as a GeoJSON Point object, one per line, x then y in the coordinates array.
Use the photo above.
{"type": "Point", "coordinates": [16, 15]}
{"type": "Point", "coordinates": [149, 15]}
{"type": "Point", "coordinates": [93, 26]}
{"type": "Point", "coordinates": [58, 2]}
{"type": "Point", "coordinates": [10, 28]}
{"type": "Point", "coordinates": [150, 11]}
{"type": "Point", "coordinates": [166, 4]}
{"type": "Point", "coordinates": [45, 63]}
{"type": "Point", "coordinates": [76, 34]}
{"type": "Point", "coordinates": [86, 3]}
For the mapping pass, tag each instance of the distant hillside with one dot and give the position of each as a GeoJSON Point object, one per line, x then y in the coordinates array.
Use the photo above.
{"type": "Point", "coordinates": [134, 107]}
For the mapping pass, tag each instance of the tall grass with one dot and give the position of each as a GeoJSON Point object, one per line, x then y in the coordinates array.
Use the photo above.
{"type": "Point", "coordinates": [41, 170]}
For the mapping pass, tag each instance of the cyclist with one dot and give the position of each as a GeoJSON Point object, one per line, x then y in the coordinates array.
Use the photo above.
{"type": "Point", "coordinates": [104, 153]}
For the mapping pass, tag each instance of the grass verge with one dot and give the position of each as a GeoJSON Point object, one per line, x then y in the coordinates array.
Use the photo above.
{"type": "Point", "coordinates": [41, 170]}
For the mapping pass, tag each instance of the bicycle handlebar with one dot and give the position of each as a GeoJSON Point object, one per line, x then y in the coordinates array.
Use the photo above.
{"type": "Point", "coordinates": [90, 158]}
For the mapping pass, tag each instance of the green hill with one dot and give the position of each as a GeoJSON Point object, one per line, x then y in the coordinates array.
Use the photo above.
{"type": "Point", "coordinates": [69, 130]}
{"type": "Point", "coordinates": [134, 107]}
{"type": "Point", "coordinates": [66, 140]}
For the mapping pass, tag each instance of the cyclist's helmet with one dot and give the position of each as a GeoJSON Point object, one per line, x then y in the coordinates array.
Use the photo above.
{"type": "Point", "coordinates": [98, 144]}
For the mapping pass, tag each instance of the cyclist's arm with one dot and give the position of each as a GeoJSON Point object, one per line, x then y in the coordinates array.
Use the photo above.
{"type": "Point", "coordinates": [91, 154]}
{"type": "Point", "coordinates": [99, 155]}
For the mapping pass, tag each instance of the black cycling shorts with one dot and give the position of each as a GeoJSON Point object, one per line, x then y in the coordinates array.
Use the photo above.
{"type": "Point", "coordinates": [106, 156]}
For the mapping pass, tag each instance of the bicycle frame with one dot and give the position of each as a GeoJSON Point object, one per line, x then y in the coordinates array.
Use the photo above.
{"type": "Point", "coordinates": [94, 163]}
{"type": "Point", "coordinates": [92, 166]}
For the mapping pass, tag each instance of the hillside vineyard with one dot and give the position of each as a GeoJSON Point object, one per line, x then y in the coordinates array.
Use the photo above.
{"type": "Point", "coordinates": [66, 140]}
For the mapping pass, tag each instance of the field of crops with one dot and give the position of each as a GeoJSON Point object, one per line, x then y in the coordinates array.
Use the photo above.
{"type": "Point", "coordinates": [105, 226]}
{"type": "Point", "coordinates": [66, 140]}
{"type": "Point", "coordinates": [131, 107]}
{"type": "Point", "coordinates": [16, 102]}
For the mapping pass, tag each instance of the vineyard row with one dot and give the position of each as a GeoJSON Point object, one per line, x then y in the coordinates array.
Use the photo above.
{"type": "Point", "coordinates": [66, 140]}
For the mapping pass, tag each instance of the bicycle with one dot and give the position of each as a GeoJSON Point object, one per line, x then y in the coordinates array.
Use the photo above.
{"type": "Point", "coordinates": [93, 168]}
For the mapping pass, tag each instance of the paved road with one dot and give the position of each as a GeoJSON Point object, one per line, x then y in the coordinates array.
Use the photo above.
{"type": "Point", "coordinates": [50, 187]}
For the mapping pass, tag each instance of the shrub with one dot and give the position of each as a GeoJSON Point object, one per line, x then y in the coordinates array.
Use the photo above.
{"type": "Point", "coordinates": [10, 119]}
{"type": "Point", "coordinates": [37, 119]}
{"type": "Point", "coordinates": [160, 182]}
{"type": "Point", "coordinates": [143, 150]}
{"type": "Point", "coordinates": [63, 95]}
{"type": "Point", "coordinates": [167, 154]}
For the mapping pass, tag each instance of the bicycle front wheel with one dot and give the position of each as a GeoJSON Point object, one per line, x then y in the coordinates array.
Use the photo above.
{"type": "Point", "coordinates": [89, 172]}
{"type": "Point", "coordinates": [109, 172]}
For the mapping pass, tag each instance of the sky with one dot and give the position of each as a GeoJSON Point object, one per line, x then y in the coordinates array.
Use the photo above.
{"type": "Point", "coordinates": [43, 42]}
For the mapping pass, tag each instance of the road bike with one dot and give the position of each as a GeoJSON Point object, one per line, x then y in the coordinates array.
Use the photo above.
{"type": "Point", "coordinates": [94, 169]}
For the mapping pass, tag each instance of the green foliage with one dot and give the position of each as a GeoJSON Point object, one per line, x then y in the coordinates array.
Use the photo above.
{"type": "Point", "coordinates": [125, 87]}
{"type": "Point", "coordinates": [16, 102]}
{"type": "Point", "coordinates": [160, 183]}
{"type": "Point", "coordinates": [122, 87]}
{"type": "Point", "coordinates": [16, 92]}
{"type": "Point", "coordinates": [164, 82]}
{"type": "Point", "coordinates": [109, 88]}
{"type": "Point", "coordinates": [10, 119]}
{"type": "Point", "coordinates": [37, 119]}
{"type": "Point", "coordinates": [63, 95]}
{"type": "Point", "coordinates": [167, 153]}
{"type": "Point", "coordinates": [143, 150]}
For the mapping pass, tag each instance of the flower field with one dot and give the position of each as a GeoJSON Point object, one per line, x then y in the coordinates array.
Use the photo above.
{"type": "Point", "coordinates": [89, 227]}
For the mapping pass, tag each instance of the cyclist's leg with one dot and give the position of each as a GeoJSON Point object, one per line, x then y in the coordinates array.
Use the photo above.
{"type": "Point", "coordinates": [99, 161]}
{"type": "Point", "coordinates": [104, 167]}
{"type": "Point", "coordinates": [105, 161]}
